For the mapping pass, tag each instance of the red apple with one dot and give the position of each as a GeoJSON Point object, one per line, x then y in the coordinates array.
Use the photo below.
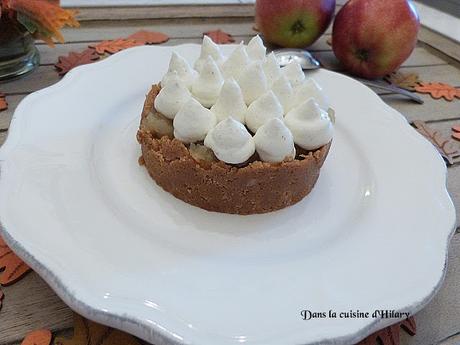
{"type": "Point", "coordinates": [293, 23]}
{"type": "Point", "coordinates": [372, 38]}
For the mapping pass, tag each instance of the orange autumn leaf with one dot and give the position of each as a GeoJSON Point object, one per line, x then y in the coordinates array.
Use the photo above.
{"type": "Point", "coordinates": [456, 136]}
{"type": "Point", "coordinates": [444, 146]}
{"type": "Point", "coordinates": [14, 267]}
{"type": "Point", "coordinates": [39, 337]}
{"type": "Point", "coordinates": [66, 63]}
{"type": "Point", "coordinates": [391, 334]}
{"type": "Point", "coordinates": [46, 17]}
{"type": "Point", "coordinates": [220, 37]}
{"type": "Point", "coordinates": [439, 90]}
{"type": "Point", "coordinates": [90, 333]}
{"type": "Point", "coordinates": [407, 81]}
{"type": "Point", "coordinates": [149, 37]}
{"type": "Point", "coordinates": [114, 46]}
{"type": "Point", "coordinates": [3, 102]}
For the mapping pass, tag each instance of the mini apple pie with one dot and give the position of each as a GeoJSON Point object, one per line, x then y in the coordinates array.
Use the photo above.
{"type": "Point", "coordinates": [235, 135]}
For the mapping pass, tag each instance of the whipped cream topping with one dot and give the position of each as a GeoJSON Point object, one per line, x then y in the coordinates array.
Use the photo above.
{"type": "Point", "coordinates": [193, 122]}
{"type": "Point", "coordinates": [172, 96]}
{"type": "Point", "coordinates": [230, 102]}
{"type": "Point", "coordinates": [230, 141]}
{"type": "Point", "coordinates": [271, 68]}
{"type": "Point", "coordinates": [256, 49]}
{"type": "Point", "coordinates": [253, 82]}
{"type": "Point", "coordinates": [206, 87]}
{"type": "Point", "coordinates": [293, 71]}
{"type": "Point", "coordinates": [310, 125]}
{"type": "Point", "coordinates": [236, 62]}
{"type": "Point", "coordinates": [183, 69]}
{"type": "Point", "coordinates": [283, 90]}
{"type": "Point", "coordinates": [208, 48]}
{"type": "Point", "coordinates": [274, 142]}
{"type": "Point", "coordinates": [310, 89]}
{"type": "Point", "coordinates": [265, 108]}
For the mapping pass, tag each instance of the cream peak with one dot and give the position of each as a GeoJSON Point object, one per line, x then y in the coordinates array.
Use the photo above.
{"type": "Point", "coordinates": [262, 110]}
{"type": "Point", "coordinates": [230, 102]}
{"type": "Point", "coordinates": [230, 141]}
{"type": "Point", "coordinates": [206, 87]}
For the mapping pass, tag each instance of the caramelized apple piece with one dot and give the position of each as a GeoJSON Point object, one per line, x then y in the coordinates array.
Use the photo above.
{"type": "Point", "coordinates": [201, 152]}
{"type": "Point", "coordinates": [157, 123]}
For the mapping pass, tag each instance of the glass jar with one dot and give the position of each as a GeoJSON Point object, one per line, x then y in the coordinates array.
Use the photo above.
{"type": "Point", "coordinates": [18, 54]}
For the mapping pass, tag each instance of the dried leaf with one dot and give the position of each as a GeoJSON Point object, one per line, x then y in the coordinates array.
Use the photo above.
{"type": "Point", "coordinates": [456, 136]}
{"type": "Point", "coordinates": [149, 37]}
{"type": "Point", "coordinates": [66, 63]}
{"type": "Point", "coordinates": [114, 46]}
{"type": "Point", "coordinates": [408, 81]}
{"type": "Point", "coordinates": [14, 267]}
{"type": "Point", "coordinates": [439, 90]}
{"type": "Point", "coordinates": [390, 335]}
{"type": "Point", "coordinates": [39, 337]}
{"type": "Point", "coordinates": [43, 18]}
{"type": "Point", "coordinates": [220, 37]}
{"type": "Point", "coordinates": [445, 146]}
{"type": "Point", "coordinates": [3, 102]}
{"type": "Point", "coordinates": [90, 333]}
{"type": "Point", "coordinates": [409, 326]}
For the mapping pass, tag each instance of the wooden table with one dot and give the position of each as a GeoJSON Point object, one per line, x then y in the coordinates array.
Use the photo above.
{"type": "Point", "coordinates": [30, 304]}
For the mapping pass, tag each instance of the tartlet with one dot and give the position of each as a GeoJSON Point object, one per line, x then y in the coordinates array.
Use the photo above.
{"type": "Point", "coordinates": [191, 172]}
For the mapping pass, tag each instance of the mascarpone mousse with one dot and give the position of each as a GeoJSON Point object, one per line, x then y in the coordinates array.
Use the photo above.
{"type": "Point", "coordinates": [193, 122]}
{"type": "Point", "coordinates": [310, 125]}
{"type": "Point", "coordinates": [263, 109]}
{"type": "Point", "coordinates": [310, 89]}
{"type": "Point", "coordinates": [294, 73]}
{"type": "Point", "coordinates": [230, 141]}
{"type": "Point", "coordinates": [274, 142]}
{"type": "Point", "coordinates": [271, 68]}
{"type": "Point", "coordinates": [208, 48]}
{"type": "Point", "coordinates": [283, 90]}
{"type": "Point", "coordinates": [230, 102]}
{"type": "Point", "coordinates": [256, 49]}
{"type": "Point", "coordinates": [183, 70]}
{"type": "Point", "coordinates": [253, 82]}
{"type": "Point", "coordinates": [173, 95]}
{"type": "Point", "coordinates": [236, 62]}
{"type": "Point", "coordinates": [206, 87]}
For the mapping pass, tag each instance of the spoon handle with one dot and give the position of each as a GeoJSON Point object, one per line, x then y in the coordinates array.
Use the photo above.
{"type": "Point", "coordinates": [391, 88]}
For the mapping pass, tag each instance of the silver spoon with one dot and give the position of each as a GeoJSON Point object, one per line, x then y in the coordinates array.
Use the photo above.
{"type": "Point", "coordinates": [308, 62]}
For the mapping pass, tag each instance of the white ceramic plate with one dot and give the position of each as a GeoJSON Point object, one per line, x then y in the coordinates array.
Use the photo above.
{"type": "Point", "coordinates": [74, 203]}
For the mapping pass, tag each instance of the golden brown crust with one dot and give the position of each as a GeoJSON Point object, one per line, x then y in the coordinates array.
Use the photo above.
{"type": "Point", "coordinates": [258, 187]}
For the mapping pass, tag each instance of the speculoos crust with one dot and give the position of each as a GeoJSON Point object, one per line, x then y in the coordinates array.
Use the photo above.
{"type": "Point", "coordinates": [257, 187]}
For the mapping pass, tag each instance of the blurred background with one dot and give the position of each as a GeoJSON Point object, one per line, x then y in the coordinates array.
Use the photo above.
{"type": "Point", "coordinates": [442, 16]}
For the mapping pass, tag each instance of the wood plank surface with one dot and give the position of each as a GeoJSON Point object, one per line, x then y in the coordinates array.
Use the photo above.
{"type": "Point", "coordinates": [431, 110]}
{"type": "Point", "coordinates": [171, 11]}
{"type": "Point", "coordinates": [441, 43]}
{"type": "Point", "coordinates": [175, 28]}
{"type": "Point", "coordinates": [28, 305]}
{"type": "Point", "coordinates": [31, 304]}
